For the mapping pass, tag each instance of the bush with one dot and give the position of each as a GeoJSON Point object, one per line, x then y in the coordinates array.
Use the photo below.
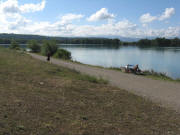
{"type": "Point", "coordinates": [14, 45]}
{"type": "Point", "coordinates": [34, 46]}
{"type": "Point", "coordinates": [63, 54]}
{"type": "Point", "coordinates": [49, 47]}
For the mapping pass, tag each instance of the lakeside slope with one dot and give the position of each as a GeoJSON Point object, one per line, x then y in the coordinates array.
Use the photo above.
{"type": "Point", "coordinates": [165, 93]}
{"type": "Point", "coordinates": [39, 98]}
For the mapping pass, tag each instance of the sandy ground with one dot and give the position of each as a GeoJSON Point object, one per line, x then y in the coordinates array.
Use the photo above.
{"type": "Point", "coordinates": [162, 92]}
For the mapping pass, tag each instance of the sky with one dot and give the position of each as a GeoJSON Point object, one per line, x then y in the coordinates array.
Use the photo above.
{"type": "Point", "coordinates": [91, 18]}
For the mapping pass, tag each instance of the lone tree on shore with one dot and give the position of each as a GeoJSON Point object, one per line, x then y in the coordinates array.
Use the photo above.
{"type": "Point", "coordinates": [49, 47]}
{"type": "Point", "coordinates": [34, 46]}
{"type": "Point", "coordinates": [14, 45]}
{"type": "Point", "coordinates": [63, 54]}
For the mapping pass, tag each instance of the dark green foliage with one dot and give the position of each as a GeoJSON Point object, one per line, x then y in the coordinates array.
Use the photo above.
{"type": "Point", "coordinates": [175, 42]}
{"type": "Point", "coordinates": [63, 54]}
{"type": "Point", "coordinates": [14, 45]}
{"type": "Point", "coordinates": [49, 47]}
{"type": "Point", "coordinates": [23, 39]}
{"type": "Point", "coordinates": [34, 46]}
{"type": "Point", "coordinates": [159, 42]}
{"type": "Point", "coordinates": [144, 42]}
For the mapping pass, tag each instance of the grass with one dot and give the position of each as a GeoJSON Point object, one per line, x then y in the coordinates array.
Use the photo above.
{"type": "Point", "coordinates": [147, 73]}
{"type": "Point", "coordinates": [159, 76]}
{"type": "Point", "coordinates": [153, 75]}
{"type": "Point", "coordinates": [37, 98]}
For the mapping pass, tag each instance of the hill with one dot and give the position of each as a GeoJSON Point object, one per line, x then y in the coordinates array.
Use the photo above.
{"type": "Point", "coordinates": [21, 38]}
{"type": "Point", "coordinates": [40, 98]}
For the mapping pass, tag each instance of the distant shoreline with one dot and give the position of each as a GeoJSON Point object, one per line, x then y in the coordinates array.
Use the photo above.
{"type": "Point", "coordinates": [23, 39]}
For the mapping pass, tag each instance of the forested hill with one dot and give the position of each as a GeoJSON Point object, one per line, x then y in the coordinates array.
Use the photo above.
{"type": "Point", "coordinates": [21, 38]}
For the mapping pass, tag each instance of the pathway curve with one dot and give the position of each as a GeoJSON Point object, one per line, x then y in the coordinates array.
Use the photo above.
{"type": "Point", "coordinates": [163, 92]}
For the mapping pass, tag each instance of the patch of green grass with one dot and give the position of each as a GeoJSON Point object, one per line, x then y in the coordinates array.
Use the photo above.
{"type": "Point", "coordinates": [93, 79]}
{"type": "Point", "coordinates": [38, 98]}
{"type": "Point", "coordinates": [115, 68]}
{"type": "Point", "coordinates": [159, 76]}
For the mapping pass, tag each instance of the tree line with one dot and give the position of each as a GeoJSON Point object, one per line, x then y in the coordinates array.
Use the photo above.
{"type": "Point", "coordinates": [67, 41]}
{"type": "Point", "coordinates": [24, 39]}
{"type": "Point", "coordinates": [159, 42]}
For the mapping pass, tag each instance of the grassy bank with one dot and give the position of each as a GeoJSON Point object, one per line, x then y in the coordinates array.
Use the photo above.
{"type": "Point", "coordinates": [159, 76]}
{"type": "Point", "coordinates": [153, 75]}
{"type": "Point", "coordinates": [37, 98]}
{"type": "Point", "coordinates": [147, 73]}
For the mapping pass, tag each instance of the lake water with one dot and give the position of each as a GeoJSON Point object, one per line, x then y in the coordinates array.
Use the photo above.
{"type": "Point", "coordinates": [160, 59]}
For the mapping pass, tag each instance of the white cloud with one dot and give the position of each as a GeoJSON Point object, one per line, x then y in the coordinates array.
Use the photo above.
{"type": "Point", "coordinates": [102, 14]}
{"type": "Point", "coordinates": [70, 17]}
{"type": "Point", "coordinates": [12, 6]}
{"type": "Point", "coordinates": [167, 14]}
{"type": "Point", "coordinates": [122, 28]}
{"type": "Point", "coordinates": [9, 6]}
{"type": "Point", "coordinates": [12, 20]}
{"type": "Point", "coordinates": [33, 7]}
{"type": "Point", "coordinates": [147, 18]}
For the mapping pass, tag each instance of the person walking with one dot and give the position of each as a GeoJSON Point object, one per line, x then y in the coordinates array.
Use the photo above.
{"type": "Point", "coordinates": [48, 56]}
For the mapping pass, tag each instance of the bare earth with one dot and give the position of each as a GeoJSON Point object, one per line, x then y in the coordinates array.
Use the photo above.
{"type": "Point", "coordinates": [162, 92]}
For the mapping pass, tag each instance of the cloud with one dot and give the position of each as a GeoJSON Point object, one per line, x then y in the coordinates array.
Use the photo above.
{"type": "Point", "coordinates": [12, 7]}
{"type": "Point", "coordinates": [9, 6]}
{"type": "Point", "coordinates": [70, 17]}
{"type": "Point", "coordinates": [147, 18]}
{"type": "Point", "coordinates": [33, 7]}
{"type": "Point", "coordinates": [12, 20]}
{"type": "Point", "coordinates": [11, 15]}
{"type": "Point", "coordinates": [167, 14]}
{"type": "Point", "coordinates": [102, 14]}
{"type": "Point", "coordinates": [122, 28]}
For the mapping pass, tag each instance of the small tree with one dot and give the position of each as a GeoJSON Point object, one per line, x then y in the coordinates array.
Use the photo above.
{"type": "Point", "coordinates": [49, 47]}
{"type": "Point", "coordinates": [34, 46]}
{"type": "Point", "coordinates": [14, 45]}
{"type": "Point", "coordinates": [63, 54]}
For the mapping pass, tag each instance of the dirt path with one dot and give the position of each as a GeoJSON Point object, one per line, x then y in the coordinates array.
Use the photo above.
{"type": "Point", "coordinates": [163, 92]}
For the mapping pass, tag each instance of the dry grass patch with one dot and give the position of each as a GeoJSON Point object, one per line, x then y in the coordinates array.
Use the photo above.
{"type": "Point", "coordinates": [37, 98]}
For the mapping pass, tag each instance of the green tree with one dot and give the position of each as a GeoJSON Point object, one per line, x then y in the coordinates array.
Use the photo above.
{"type": "Point", "coordinates": [63, 54]}
{"type": "Point", "coordinates": [34, 46]}
{"type": "Point", "coordinates": [175, 42]}
{"type": "Point", "coordinates": [14, 45]}
{"type": "Point", "coordinates": [49, 47]}
{"type": "Point", "coordinates": [146, 42]}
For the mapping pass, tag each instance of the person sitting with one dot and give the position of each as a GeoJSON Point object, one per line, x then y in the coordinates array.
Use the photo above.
{"type": "Point", "coordinates": [127, 68]}
{"type": "Point", "coordinates": [136, 68]}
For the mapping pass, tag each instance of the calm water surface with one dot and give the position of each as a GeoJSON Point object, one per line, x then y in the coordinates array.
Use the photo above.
{"type": "Point", "coordinates": [160, 59]}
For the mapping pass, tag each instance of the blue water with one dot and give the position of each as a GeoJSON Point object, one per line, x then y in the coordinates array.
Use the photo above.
{"type": "Point", "coordinates": [160, 59]}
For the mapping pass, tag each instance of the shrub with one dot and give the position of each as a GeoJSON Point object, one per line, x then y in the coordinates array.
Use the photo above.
{"type": "Point", "coordinates": [49, 47]}
{"type": "Point", "coordinates": [63, 54]}
{"type": "Point", "coordinates": [14, 45]}
{"type": "Point", "coordinates": [34, 46]}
